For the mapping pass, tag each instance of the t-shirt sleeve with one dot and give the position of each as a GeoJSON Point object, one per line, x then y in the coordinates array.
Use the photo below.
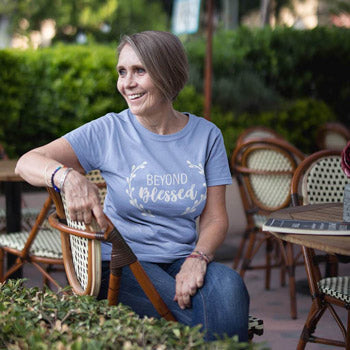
{"type": "Point", "coordinates": [217, 168]}
{"type": "Point", "coordinates": [87, 145]}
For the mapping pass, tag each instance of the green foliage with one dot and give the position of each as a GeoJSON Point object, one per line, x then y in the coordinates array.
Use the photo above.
{"type": "Point", "coordinates": [46, 93]}
{"type": "Point", "coordinates": [101, 21]}
{"type": "Point", "coordinates": [256, 70]}
{"type": "Point", "coordinates": [35, 319]}
{"type": "Point", "coordinates": [296, 121]}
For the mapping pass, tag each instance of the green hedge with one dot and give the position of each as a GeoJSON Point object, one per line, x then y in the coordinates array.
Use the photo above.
{"type": "Point", "coordinates": [48, 92]}
{"type": "Point", "coordinates": [260, 77]}
{"type": "Point", "coordinates": [297, 121]}
{"type": "Point", "coordinates": [35, 319]}
{"type": "Point", "coordinates": [254, 69]}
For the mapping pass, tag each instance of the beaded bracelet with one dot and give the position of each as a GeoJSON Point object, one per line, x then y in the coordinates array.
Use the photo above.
{"type": "Point", "coordinates": [52, 179]}
{"type": "Point", "coordinates": [205, 256]}
{"type": "Point", "coordinates": [197, 256]}
{"type": "Point", "coordinates": [63, 178]}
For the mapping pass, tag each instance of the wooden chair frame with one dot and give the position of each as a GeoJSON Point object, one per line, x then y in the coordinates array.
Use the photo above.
{"type": "Point", "coordinates": [320, 301]}
{"type": "Point", "coordinates": [257, 132]}
{"type": "Point", "coordinates": [25, 256]}
{"type": "Point", "coordinates": [253, 235]}
{"type": "Point", "coordinates": [122, 256]}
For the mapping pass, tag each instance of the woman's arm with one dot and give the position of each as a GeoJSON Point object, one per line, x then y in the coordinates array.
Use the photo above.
{"type": "Point", "coordinates": [38, 165]}
{"type": "Point", "coordinates": [213, 226]}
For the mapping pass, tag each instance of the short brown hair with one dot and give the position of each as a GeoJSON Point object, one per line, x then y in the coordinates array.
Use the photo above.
{"type": "Point", "coordinates": [163, 56]}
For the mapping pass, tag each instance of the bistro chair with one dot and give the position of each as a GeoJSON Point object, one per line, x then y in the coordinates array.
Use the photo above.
{"type": "Point", "coordinates": [28, 214]}
{"type": "Point", "coordinates": [39, 246]}
{"type": "Point", "coordinates": [257, 132]}
{"type": "Point", "coordinates": [81, 248]}
{"type": "Point", "coordinates": [264, 168]}
{"type": "Point", "coordinates": [320, 179]}
{"type": "Point", "coordinates": [332, 136]}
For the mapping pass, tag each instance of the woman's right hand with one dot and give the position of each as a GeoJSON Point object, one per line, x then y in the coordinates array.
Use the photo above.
{"type": "Point", "coordinates": [83, 201]}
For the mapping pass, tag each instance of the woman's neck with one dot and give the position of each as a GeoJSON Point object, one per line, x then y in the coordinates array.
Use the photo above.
{"type": "Point", "coordinates": [168, 121]}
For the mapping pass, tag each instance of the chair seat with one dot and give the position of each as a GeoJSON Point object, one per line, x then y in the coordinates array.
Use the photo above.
{"type": "Point", "coordinates": [337, 287]}
{"type": "Point", "coordinates": [27, 214]}
{"type": "Point", "coordinates": [255, 325]}
{"type": "Point", "coordinates": [47, 244]}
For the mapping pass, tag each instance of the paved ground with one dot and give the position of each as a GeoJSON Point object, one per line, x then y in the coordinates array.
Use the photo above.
{"type": "Point", "coordinates": [281, 332]}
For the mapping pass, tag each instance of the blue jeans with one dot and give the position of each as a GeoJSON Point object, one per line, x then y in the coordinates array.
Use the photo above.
{"type": "Point", "coordinates": [221, 306]}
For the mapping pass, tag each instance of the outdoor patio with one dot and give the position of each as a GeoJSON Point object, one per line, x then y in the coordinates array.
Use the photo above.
{"type": "Point", "coordinates": [280, 331]}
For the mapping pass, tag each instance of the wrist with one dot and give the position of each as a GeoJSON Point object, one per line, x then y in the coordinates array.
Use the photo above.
{"type": "Point", "coordinates": [205, 255]}
{"type": "Point", "coordinates": [201, 256]}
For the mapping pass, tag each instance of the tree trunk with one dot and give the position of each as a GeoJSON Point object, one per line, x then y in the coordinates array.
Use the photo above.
{"type": "Point", "coordinates": [265, 12]}
{"type": "Point", "coordinates": [230, 14]}
{"type": "Point", "coordinates": [5, 38]}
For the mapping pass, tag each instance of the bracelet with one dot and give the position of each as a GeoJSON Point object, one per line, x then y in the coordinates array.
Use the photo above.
{"type": "Point", "coordinates": [205, 256]}
{"type": "Point", "coordinates": [196, 256]}
{"type": "Point", "coordinates": [63, 178]}
{"type": "Point", "coordinates": [52, 179]}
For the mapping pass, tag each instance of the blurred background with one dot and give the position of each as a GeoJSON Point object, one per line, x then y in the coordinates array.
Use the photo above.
{"type": "Point", "coordinates": [279, 63]}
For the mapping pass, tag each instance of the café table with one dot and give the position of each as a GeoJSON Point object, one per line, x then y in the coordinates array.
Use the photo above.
{"type": "Point", "coordinates": [12, 184]}
{"type": "Point", "coordinates": [314, 227]}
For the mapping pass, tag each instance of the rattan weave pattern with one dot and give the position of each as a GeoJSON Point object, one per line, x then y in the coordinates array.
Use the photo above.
{"type": "Point", "coordinates": [337, 287]}
{"type": "Point", "coordinates": [47, 243]}
{"type": "Point", "coordinates": [79, 248]}
{"type": "Point", "coordinates": [334, 140]}
{"type": "Point", "coordinates": [324, 181]}
{"type": "Point", "coordinates": [270, 190]}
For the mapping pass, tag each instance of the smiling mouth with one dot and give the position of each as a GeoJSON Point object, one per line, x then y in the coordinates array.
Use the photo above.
{"type": "Point", "coordinates": [135, 96]}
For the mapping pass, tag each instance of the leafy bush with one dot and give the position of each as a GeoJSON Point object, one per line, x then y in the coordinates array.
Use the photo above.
{"type": "Point", "coordinates": [48, 92]}
{"type": "Point", "coordinates": [35, 319]}
{"type": "Point", "coordinates": [297, 121]}
{"type": "Point", "coordinates": [285, 63]}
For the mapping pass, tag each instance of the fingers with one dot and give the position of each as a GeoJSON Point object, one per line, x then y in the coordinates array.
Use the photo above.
{"type": "Point", "coordinates": [83, 202]}
{"type": "Point", "coordinates": [188, 280]}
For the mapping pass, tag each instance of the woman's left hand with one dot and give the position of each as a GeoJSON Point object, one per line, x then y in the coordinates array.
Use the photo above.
{"type": "Point", "coordinates": [188, 280]}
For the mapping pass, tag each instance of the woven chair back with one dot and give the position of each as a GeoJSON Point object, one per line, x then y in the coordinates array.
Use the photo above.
{"type": "Point", "coordinates": [333, 136]}
{"type": "Point", "coordinates": [257, 132]}
{"type": "Point", "coordinates": [82, 256]}
{"type": "Point", "coordinates": [319, 179]}
{"type": "Point", "coordinates": [265, 168]}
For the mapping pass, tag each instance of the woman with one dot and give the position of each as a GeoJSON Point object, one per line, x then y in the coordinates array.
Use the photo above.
{"type": "Point", "coordinates": [163, 169]}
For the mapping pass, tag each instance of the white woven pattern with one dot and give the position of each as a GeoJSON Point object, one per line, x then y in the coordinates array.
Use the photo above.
{"type": "Point", "coordinates": [47, 243]}
{"type": "Point", "coordinates": [258, 134]}
{"type": "Point", "coordinates": [270, 190]}
{"type": "Point", "coordinates": [79, 248]}
{"type": "Point", "coordinates": [255, 324]}
{"type": "Point", "coordinates": [27, 214]}
{"type": "Point", "coordinates": [338, 287]}
{"type": "Point", "coordinates": [324, 181]}
{"type": "Point", "coordinates": [334, 140]}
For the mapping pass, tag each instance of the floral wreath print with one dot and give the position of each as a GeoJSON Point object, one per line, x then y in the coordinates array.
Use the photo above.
{"type": "Point", "coordinates": [133, 201]}
{"type": "Point", "coordinates": [203, 197]}
{"type": "Point", "coordinates": [130, 190]}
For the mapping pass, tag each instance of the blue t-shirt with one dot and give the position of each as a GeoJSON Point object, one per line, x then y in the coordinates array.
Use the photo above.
{"type": "Point", "coordinates": [156, 184]}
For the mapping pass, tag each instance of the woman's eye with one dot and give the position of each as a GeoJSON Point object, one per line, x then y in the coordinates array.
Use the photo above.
{"type": "Point", "coordinates": [121, 71]}
{"type": "Point", "coordinates": [140, 70]}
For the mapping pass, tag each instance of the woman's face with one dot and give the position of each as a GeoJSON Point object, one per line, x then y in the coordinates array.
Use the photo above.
{"type": "Point", "coordinates": [136, 86]}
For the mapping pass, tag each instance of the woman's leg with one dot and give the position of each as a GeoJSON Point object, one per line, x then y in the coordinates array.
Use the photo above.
{"type": "Point", "coordinates": [221, 305]}
{"type": "Point", "coordinates": [131, 293]}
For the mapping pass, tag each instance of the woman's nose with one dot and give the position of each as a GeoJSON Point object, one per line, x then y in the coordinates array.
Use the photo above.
{"type": "Point", "coordinates": [130, 80]}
